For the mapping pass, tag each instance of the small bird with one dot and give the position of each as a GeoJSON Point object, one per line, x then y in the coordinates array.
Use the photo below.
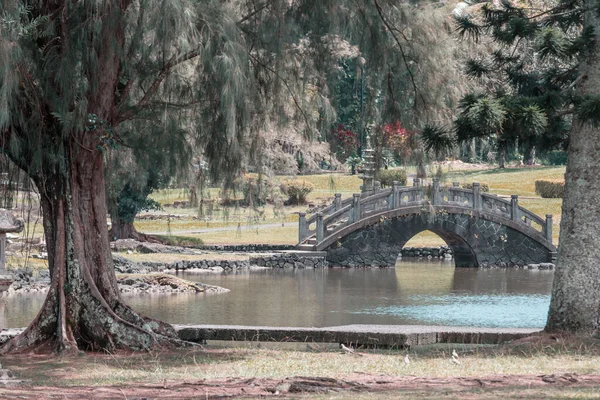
{"type": "Point", "coordinates": [455, 361]}
{"type": "Point", "coordinates": [454, 354]}
{"type": "Point", "coordinates": [346, 349]}
{"type": "Point", "coordinates": [406, 360]}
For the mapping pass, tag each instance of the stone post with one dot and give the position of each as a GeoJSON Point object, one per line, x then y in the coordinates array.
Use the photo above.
{"type": "Point", "coordinates": [435, 192]}
{"type": "Point", "coordinates": [514, 207]}
{"type": "Point", "coordinates": [356, 207]}
{"type": "Point", "coordinates": [337, 201]}
{"type": "Point", "coordinates": [416, 182]}
{"type": "Point", "coordinates": [2, 253]}
{"type": "Point", "coordinates": [395, 203]}
{"type": "Point", "coordinates": [548, 230]}
{"type": "Point", "coordinates": [454, 196]}
{"type": "Point", "coordinates": [302, 228]}
{"type": "Point", "coordinates": [320, 227]}
{"type": "Point", "coordinates": [476, 196]}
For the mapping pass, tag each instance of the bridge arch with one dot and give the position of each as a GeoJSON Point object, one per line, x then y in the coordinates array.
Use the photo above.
{"type": "Point", "coordinates": [481, 229]}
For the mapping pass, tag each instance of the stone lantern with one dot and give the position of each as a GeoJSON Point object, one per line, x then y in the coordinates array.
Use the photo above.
{"type": "Point", "coordinates": [8, 224]}
{"type": "Point", "coordinates": [368, 176]}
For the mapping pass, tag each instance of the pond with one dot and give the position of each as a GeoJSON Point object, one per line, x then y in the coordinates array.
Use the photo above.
{"type": "Point", "coordinates": [428, 293]}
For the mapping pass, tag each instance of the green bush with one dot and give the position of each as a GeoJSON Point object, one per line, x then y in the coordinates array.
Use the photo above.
{"type": "Point", "coordinates": [296, 190]}
{"type": "Point", "coordinates": [484, 187]}
{"type": "Point", "coordinates": [550, 189]}
{"type": "Point", "coordinates": [388, 176]}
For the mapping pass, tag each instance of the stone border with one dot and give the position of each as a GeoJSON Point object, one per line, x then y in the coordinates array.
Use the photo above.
{"type": "Point", "coordinates": [357, 335]}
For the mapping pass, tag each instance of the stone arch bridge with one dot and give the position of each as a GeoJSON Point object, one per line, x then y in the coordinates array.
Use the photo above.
{"type": "Point", "coordinates": [481, 229]}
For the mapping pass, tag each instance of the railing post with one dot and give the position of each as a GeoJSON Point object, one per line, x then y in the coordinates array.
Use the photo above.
{"type": "Point", "coordinates": [320, 227]}
{"type": "Point", "coordinates": [435, 192]}
{"type": "Point", "coordinates": [302, 228]}
{"type": "Point", "coordinates": [454, 195]}
{"type": "Point", "coordinates": [514, 207]}
{"type": "Point", "coordinates": [337, 201]}
{"type": "Point", "coordinates": [395, 194]}
{"type": "Point", "coordinates": [476, 196]}
{"type": "Point", "coordinates": [548, 230]}
{"type": "Point", "coordinates": [356, 207]}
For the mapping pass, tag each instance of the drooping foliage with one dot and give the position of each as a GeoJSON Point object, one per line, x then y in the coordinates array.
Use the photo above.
{"type": "Point", "coordinates": [80, 80]}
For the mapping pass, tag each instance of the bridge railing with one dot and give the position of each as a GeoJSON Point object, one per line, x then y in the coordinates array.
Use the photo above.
{"type": "Point", "coordinates": [342, 213]}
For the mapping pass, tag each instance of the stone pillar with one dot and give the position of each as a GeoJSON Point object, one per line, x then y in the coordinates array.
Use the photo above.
{"type": "Point", "coordinates": [548, 230]}
{"type": "Point", "coordinates": [337, 201]}
{"type": "Point", "coordinates": [2, 253]}
{"type": "Point", "coordinates": [356, 207]}
{"type": "Point", "coordinates": [320, 227]}
{"type": "Point", "coordinates": [395, 203]}
{"type": "Point", "coordinates": [435, 192]}
{"type": "Point", "coordinates": [514, 207]}
{"type": "Point", "coordinates": [302, 228]}
{"type": "Point", "coordinates": [454, 196]}
{"type": "Point", "coordinates": [416, 182]}
{"type": "Point", "coordinates": [476, 196]}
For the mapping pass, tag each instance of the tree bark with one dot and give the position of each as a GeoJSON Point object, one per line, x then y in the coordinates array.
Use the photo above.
{"type": "Point", "coordinates": [501, 155]}
{"type": "Point", "coordinates": [83, 308]}
{"type": "Point", "coordinates": [529, 155]}
{"type": "Point", "coordinates": [575, 304]}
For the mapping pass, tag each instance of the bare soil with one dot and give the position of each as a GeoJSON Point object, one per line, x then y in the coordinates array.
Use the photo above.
{"type": "Point", "coordinates": [298, 386]}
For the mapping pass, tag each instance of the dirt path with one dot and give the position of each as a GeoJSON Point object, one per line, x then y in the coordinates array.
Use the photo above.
{"type": "Point", "coordinates": [348, 387]}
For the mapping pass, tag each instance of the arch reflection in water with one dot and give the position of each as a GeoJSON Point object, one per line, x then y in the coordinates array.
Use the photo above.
{"type": "Point", "coordinates": [412, 293]}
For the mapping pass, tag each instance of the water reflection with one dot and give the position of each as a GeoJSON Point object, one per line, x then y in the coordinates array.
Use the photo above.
{"type": "Point", "coordinates": [411, 293]}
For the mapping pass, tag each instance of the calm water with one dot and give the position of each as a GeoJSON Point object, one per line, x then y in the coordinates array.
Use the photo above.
{"type": "Point", "coordinates": [412, 293]}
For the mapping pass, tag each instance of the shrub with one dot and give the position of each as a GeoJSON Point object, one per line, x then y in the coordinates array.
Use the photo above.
{"type": "Point", "coordinates": [388, 176]}
{"type": "Point", "coordinates": [296, 190]}
{"type": "Point", "coordinates": [255, 191]}
{"type": "Point", "coordinates": [484, 187]}
{"type": "Point", "coordinates": [551, 189]}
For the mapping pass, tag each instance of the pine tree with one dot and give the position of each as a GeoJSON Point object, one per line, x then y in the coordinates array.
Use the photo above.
{"type": "Point", "coordinates": [543, 83]}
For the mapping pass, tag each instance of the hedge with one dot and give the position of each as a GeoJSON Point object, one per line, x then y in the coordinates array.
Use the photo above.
{"type": "Point", "coordinates": [551, 189]}
{"type": "Point", "coordinates": [483, 187]}
{"type": "Point", "coordinates": [387, 177]}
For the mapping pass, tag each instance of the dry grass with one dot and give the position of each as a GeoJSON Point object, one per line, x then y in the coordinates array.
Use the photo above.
{"type": "Point", "coordinates": [538, 357]}
{"type": "Point", "coordinates": [170, 257]}
{"type": "Point", "coordinates": [246, 235]}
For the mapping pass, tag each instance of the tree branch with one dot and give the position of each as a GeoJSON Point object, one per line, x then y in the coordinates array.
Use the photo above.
{"type": "Point", "coordinates": [404, 59]}
{"type": "Point", "coordinates": [296, 103]}
{"type": "Point", "coordinates": [164, 72]}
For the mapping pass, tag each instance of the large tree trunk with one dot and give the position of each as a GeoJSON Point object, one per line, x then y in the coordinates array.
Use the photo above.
{"type": "Point", "coordinates": [575, 304]}
{"type": "Point", "coordinates": [529, 155]}
{"type": "Point", "coordinates": [83, 308]}
{"type": "Point", "coordinates": [501, 155]}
